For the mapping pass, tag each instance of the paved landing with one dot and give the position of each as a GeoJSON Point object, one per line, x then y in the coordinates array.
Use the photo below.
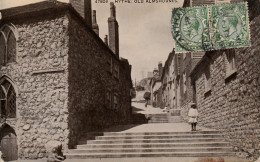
{"type": "Point", "coordinates": [155, 127]}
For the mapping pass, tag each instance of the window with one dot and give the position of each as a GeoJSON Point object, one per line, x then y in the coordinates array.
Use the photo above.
{"type": "Point", "coordinates": [7, 99]}
{"type": "Point", "coordinates": [110, 65]}
{"type": "Point", "coordinates": [184, 82]}
{"type": "Point", "coordinates": [108, 99]}
{"type": "Point", "coordinates": [207, 80]}
{"type": "Point", "coordinates": [7, 45]}
{"type": "Point", "coordinates": [230, 64]}
{"type": "Point", "coordinates": [116, 71]}
{"type": "Point", "coordinates": [115, 101]}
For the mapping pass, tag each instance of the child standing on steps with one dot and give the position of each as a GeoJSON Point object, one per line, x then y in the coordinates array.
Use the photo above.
{"type": "Point", "coordinates": [193, 114]}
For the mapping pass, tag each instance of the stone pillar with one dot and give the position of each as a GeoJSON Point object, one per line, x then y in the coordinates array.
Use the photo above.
{"type": "Point", "coordinates": [113, 30]}
{"type": "Point", "coordinates": [83, 7]}
{"type": "Point", "coordinates": [94, 23]}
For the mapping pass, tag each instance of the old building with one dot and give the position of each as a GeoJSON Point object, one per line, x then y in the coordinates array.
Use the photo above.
{"type": "Point", "coordinates": [58, 78]}
{"type": "Point", "coordinates": [168, 82]}
{"type": "Point", "coordinates": [227, 88]}
{"type": "Point", "coordinates": [155, 84]}
{"type": "Point", "coordinates": [176, 87]}
{"type": "Point", "coordinates": [189, 60]}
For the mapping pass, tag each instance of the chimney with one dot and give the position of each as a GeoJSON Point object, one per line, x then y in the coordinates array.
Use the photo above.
{"type": "Point", "coordinates": [106, 40]}
{"type": "Point", "coordinates": [83, 7]}
{"type": "Point", "coordinates": [113, 30]}
{"type": "Point", "coordinates": [94, 22]}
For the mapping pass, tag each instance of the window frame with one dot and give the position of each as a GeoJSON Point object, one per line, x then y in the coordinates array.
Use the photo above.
{"type": "Point", "coordinates": [11, 29]}
{"type": "Point", "coordinates": [115, 99]}
{"type": "Point", "coordinates": [230, 63]}
{"type": "Point", "coordinates": [6, 99]}
{"type": "Point", "coordinates": [108, 98]}
{"type": "Point", "coordinates": [116, 71]}
{"type": "Point", "coordinates": [110, 65]}
{"type": "Point", "coordinates": [207, 77]}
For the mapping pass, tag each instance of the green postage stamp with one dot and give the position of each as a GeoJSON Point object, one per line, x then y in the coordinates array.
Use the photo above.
{"type": "Point", "coordinates": [210, 28]}
{"type": "Point", "coordinates": [230, 26]}
{"type": "Point", "coordinates": [191, 29]}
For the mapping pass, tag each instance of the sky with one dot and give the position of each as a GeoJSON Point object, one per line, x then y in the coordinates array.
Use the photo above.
{"type": "Point", "coordinates": [144, 30]}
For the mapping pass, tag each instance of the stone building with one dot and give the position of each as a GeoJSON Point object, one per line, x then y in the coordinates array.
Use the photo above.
{"type": "Point", "coordinates": [176, 87]}
{"type": "Point", "coordinates": [168, 82]}
{"type": "Point", "coordinates": [227, 88]}
{"type": "Point", "coordinates": [155, 84]}
{"type": "Point", "coordinates": [189, 60]}
{"type": "Point", "coordinates": [58, 78]}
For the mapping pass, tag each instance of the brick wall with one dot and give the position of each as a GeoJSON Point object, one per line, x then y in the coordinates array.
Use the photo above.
{"type": "Point", "coordinates": [233, 105]}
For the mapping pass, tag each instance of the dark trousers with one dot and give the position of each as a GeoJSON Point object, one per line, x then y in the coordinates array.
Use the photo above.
{"type": "Point", "coordinates": [193, 126]}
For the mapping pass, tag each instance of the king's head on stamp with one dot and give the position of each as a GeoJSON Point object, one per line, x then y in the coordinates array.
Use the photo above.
{"type": "Point", "coordinates": [230, 25]}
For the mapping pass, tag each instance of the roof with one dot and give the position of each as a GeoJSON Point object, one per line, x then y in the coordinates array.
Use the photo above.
{"type": "Point", "coordinates": [31, 8]}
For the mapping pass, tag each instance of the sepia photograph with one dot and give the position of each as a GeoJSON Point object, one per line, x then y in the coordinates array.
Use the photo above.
{"type": "Point", "coordinates": [130, 80]}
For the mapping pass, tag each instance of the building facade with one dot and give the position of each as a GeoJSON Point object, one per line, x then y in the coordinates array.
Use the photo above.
{"type": "Point", "coordinates": [226, 86]}
{"type": "Point", "coordinates": [155, 84]}
{"type": "Point", "coordinates": [58, 78]}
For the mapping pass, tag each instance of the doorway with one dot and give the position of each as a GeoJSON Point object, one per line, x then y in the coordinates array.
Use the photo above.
{"type": "Point", "coordinates": [8, 145]}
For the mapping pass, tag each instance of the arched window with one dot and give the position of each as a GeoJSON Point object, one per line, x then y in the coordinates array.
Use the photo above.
{"type": "Point", "coordinates": [7, 99]}
{"type": "Point", "coordinates": [7, 44]}
{"type": "Point", "coordinates": [2, 48]}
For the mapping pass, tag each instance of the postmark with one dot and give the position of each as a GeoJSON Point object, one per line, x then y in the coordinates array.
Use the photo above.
{"type": "Point", "coordinates": [191, 29]}
{"type": "Point", "coordinates": [230, 26]}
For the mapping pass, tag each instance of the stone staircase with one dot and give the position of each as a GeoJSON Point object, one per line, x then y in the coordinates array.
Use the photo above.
{"type": "Point", "coordinates": [163, 118]}
{"type": "Point", "coordinates": [155, 118]}
{"type": "Point", "coordinates": [151, 144]}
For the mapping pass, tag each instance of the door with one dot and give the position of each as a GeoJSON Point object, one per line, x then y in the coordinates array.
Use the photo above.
{"type": "Point", "coordinates": [8, 145]}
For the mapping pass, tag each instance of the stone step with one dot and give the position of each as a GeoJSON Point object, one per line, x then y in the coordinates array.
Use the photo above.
{"type": "Point", "coordinates": [154, 140]}
{"type": "Point", "coordinates": [151, 133]}
{"type": "Point", "coordinates": [154, 145]}
{"type": "Point", "coordinates": [161, 118]}
{"type": "Point", "coordinates": [148, 154]}
{"type": "Point", "coordinates": [159, 136]}
{"type": "Point", "coordinates": [163, 121]}
{"type": "Point", "coordinates": [169, 149]}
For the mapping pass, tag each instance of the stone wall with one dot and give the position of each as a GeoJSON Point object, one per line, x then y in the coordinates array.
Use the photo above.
{"type": "Point", "coordinates": [90, 78]}
{"type": "Point", "coordinates": [187, 65]}
{"type": "Point", "coordinates": [233, 105]}
{"type": "Point", "coordinates": [39, 76]}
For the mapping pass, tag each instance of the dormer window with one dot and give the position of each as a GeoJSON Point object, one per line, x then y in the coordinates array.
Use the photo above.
{"type": "Point", "coordinates": [7, 45]}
